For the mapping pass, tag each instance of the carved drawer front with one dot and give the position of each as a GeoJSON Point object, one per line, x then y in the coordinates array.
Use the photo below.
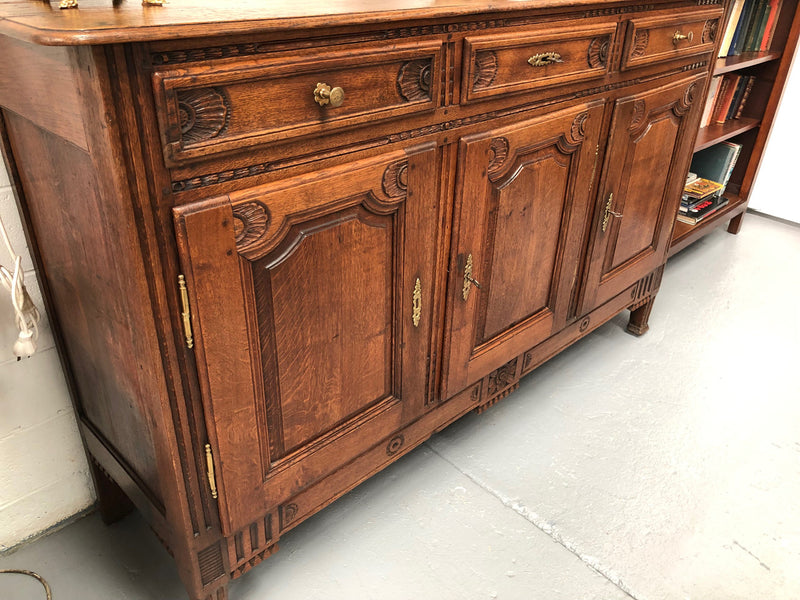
{"type": "Point", "coordinates": [311, 313]}
{"type": "Point", "coordinates": [206, 110]}
{"type": "Point", "coordinates": [508, 63]}
{"type": "Point", "coordinates": [657, 39]}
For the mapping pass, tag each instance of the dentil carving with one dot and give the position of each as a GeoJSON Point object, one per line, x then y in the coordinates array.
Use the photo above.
{"type": "Point", "coordinates": [414, 80]}
{"type": "Point", "coordinates": [202, 113]}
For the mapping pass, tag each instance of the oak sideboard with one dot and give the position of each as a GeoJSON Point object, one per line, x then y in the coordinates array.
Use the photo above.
{"type": "Point", "coordinates": [285, 243]}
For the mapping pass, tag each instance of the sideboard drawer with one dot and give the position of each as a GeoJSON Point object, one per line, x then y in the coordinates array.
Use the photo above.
{"type": "Point", "coordinates": [507, 63]}
{"type": "Point", "coordinates": [662, 38]}
{"type": "Point", "coordinates": [210, 109]}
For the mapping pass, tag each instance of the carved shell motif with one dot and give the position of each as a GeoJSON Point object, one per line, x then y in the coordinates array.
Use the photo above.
{"type": "Point", "coordinates": [485, 70]}
{"type": "Point", "coordinates": [498, 152]}
{"type": "Point", "coordinates": [598, 52]}
{"type": "Point", "coordinates": [685, 103]}
{"type": "Point", "coordinates": [639, 108]}
{"type": "Point", "coordinates": [414, 80]}
{"type": "Point", "coordinates": [203, 113]}
{"type": "Point", "coordinates": [709, 31]}
{"type": "Point", "coordinates": [395, 181]}
{"type": "Point", "coordinates": [578, 130]}
{"type": "Point", "coordinates": [250, 222]}
{"type": "Point", "coordinates": [640, 42]}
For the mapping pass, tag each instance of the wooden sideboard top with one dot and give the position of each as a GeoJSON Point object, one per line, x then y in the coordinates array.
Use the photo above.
{"type": "Point", "coordinates": [119, 21]}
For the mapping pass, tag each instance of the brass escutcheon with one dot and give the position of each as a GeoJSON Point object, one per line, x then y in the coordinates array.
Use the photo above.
{"type": "Point", "coordinates": [544, 59]}
{"type": "Point", "coordinates": [416, 303]}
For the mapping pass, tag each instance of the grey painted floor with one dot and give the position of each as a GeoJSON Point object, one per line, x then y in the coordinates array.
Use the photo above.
{"type": "Point", "coordinates": [661, 467]}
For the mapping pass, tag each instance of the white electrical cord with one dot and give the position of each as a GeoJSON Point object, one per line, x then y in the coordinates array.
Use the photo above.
{"type": "Point", "coordinates": [25, 311]}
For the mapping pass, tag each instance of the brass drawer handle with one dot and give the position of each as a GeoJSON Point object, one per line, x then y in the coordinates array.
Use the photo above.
{"type": "Point", "coordinates": [416, 303]}
{"type": "Point", "coordinates": [323, 94]}
{"type": "Point", "coordinates": [544, 59]}
{"type": "Point", "coordinates": [679, 37]}
{"type": "Point", "coordinates": [608, 213]}
{"type": "Point", "coordinates": [468, 279]}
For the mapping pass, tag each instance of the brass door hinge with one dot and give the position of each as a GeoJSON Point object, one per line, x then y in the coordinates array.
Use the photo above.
{"type": "Point", "coordinates": [212, 478]}
{"type": "Point", "coordinates": [186, 315]}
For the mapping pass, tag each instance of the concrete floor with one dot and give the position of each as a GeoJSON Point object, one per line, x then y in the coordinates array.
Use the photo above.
{"type": "Point", "coordinates": [661, 467]}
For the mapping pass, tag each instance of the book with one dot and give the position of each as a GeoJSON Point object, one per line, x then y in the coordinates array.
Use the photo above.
{"type": "Point", "coordinates": [726, 97]}
{"type": "Point", "coordinates": [716, 162]}
{"type": "Point", "coordinates": [750, 83]}
{"type": "Point", "coordinates": [752, 40]}
{"type": "Point", "coordinates": [711, 100]}
{"type": "Point", "coordinates": [741, 28]}
{"type": "Point", "coordinates": [737, 97]}
{"type": "Point", "coordinates": [690, 177]}
{"type": "Point", "coordinates": [769, 30]}
{"type": "Point", "coordinates": [702, 188]}
{"type": "Point", "coordinates": [730, 28]}
{"type": "Point", "coordinates": [706, 211]}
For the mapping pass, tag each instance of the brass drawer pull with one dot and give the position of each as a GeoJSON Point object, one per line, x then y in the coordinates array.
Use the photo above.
{"type": "Point", "coordinates": [608, 213]}
{"type": "Point", "coordinates": [416, 303]}
{"type": "Point", "coordinates": [323, 94]}
{"type": "Point", "coordinates": [468, 279]}
{"type": "Point", "coordinates": [544, 59]}
{"type": "Point", "coordinates": [679, 37]}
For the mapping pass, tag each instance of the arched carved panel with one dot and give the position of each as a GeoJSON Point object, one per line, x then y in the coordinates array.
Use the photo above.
{"type": "Point", "coordinates": [202, 113]}
{"type": "Point", "coordinates": [414, 80]}
{"type": "Point", "coordinates": [485, 70]}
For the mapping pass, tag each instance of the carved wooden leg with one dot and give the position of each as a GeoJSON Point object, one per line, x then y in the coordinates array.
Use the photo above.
{"type": "Point", "coordinates": [637, 324]}
{"type": "Point", "coordinates": [736, 224]}
{"type": "Point", "coordinates": [112, 503]}
{"type": "Point", "coordinates": [219, 594]}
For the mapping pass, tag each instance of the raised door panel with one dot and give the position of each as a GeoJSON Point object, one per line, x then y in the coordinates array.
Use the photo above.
{"type": "Point", "coordinates": [311, 317]}
{"type": "Point", "coordinates": [648, 153]}
{"type": "Point", "coordinates": [522, 205]}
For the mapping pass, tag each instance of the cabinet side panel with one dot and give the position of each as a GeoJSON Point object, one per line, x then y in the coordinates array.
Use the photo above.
{"type": "Point", "coordinates": [97, 290]}
{"type": "Point", "coordinates": [44, 91]}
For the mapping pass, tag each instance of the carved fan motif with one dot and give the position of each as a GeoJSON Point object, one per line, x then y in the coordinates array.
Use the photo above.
{"type": "Point", "coordinates": [502, 377]}
{"type": "Point", "coordinates": [685, 103]}
{"type": "Point", "coordinates": [249, 223]}
{"type": "Point", "coordinates": [394, 179]}
{"type": "Point", "coordinates": [598, 52]}
{"type": "Point", "coordinates": [498, 152]}
{"type": "Point", "coordinates": [578, 130]}
{"type": "Point", "coordinates": [203, 113]}
{"type": "Point", "coordinates": [709, 31]}
{"type": "Point", "coordinates": [640, 43]}
{"type": "Point", "coordinates": [485, 70]}
{"type": "Point", "coordinates": [639, 108]}
{"type": "Point", "coordinates": [414, 80]}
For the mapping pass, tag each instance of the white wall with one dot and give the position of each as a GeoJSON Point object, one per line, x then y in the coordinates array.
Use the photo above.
{"type": "Point", "coordinates": [44, 478]}
{"type": "Point", "coordinates": [774, 193]}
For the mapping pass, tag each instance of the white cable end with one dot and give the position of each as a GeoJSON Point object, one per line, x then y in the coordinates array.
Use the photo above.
{"type": "Point", "coordinates": [25, 345]}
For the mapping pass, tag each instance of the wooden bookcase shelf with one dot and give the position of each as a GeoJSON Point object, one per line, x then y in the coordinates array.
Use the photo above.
{"type": "Point", "coordinates": [714, 134]}
{"type": "Point", "coordinates": [743, 61]}
{"type": "Point", "coordinates": [771, 69]}
{"type": "Point", "coordinates": [685, 234]}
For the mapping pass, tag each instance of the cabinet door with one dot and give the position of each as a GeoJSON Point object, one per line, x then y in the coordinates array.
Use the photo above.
{"type": "Point", "coordinates": [311, 313]}
{"type": "Point", "coordinates": [649, 148]}
{"type": "Point", "coordinates": [522, 203]}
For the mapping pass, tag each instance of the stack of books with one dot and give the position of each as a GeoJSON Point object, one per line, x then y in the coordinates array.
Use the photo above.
{"type": "Point", "coordinates": [705, 185]}
{"type": "Point", "coordinates": [701, 198]}
{"type": "Point", "coordinates": [750, 27]}
{"type": "Point", "coordinates": [727, 96]}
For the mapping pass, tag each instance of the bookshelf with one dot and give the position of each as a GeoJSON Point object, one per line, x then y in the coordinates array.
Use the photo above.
{"type": "Point", "coordinates": [770, 69]}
